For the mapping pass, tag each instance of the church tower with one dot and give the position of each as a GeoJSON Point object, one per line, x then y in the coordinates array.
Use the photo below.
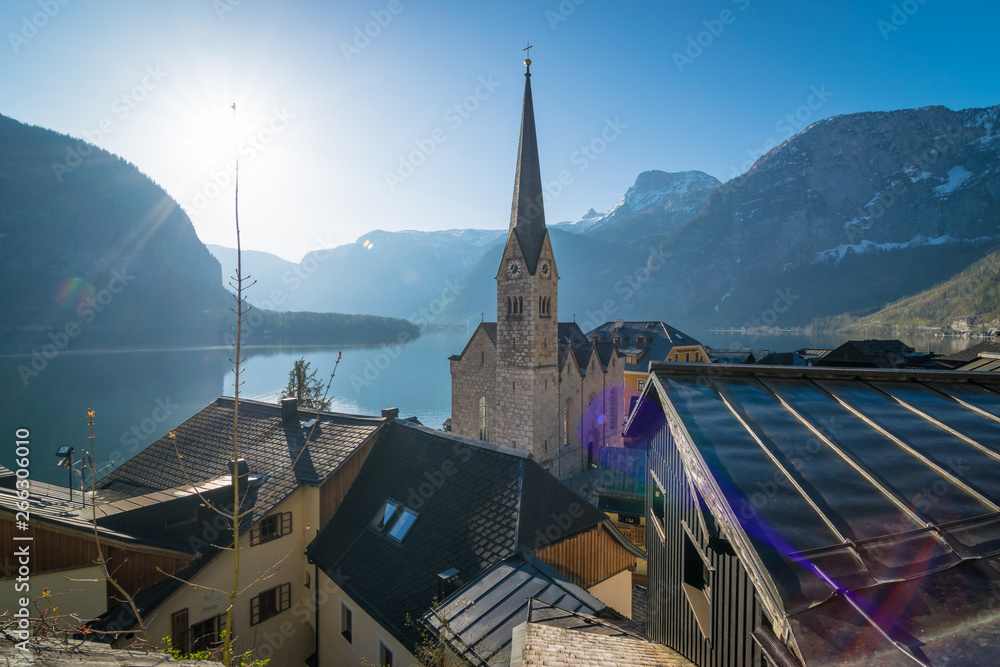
{"type": "Point", "coordinates": [527, 377]}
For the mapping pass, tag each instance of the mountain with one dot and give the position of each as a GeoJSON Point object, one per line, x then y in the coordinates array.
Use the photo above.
{"type": "Point", "coordinates": [670, 199]}
{"type": "Point", "coordinates": [970, 301]}
{"type": "Point", "coordinates": [93, 253]}
{"type": "Point", "coordinates": [853, 213]}
{"type": "Point", "coordinates": [93, 250]}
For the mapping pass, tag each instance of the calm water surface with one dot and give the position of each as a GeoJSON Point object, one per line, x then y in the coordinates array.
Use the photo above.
{"type": "Point", "coordinates": [139, 395]}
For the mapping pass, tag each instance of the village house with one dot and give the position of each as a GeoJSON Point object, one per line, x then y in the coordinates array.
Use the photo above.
{"type": "Point", "coordinates": [822, 516]}
{"type": "Point", "coordinates": [295, 466]}
{"type": "Point", "coordinates": [443, 539]}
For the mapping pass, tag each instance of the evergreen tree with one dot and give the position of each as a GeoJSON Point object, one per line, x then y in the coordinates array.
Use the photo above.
{"type": "Point", "coordinates": [304, 386]}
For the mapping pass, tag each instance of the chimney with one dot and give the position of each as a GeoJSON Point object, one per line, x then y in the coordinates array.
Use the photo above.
{"type": "Point", "coordinates": [244, 470]}
{"type": "Point", "coordinates": [390, 413]}
{"type": "Point", "coordinates": [290, 410]}
{"type": "Point", "coordinates": [448, 583]}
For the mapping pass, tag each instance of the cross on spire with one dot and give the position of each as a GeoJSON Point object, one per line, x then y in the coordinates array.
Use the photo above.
{"type": "Point", "coordinates": [527, 59]}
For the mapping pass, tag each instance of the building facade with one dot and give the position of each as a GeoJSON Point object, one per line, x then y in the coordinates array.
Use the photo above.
{"type": "Point", "coordinates": [528, 381]}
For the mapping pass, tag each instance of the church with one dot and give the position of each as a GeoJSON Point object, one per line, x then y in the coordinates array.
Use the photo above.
{"type": "Point", "coordinates": [529, 381]}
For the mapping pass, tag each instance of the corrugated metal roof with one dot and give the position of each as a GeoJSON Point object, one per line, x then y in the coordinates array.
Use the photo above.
{"type": "Point", "coordinates": [848, 488]}
{"type": "Point", "coordinates": [482, 616]}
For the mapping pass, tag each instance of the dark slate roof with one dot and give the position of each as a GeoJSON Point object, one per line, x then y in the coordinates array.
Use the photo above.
{"type": "Point", "coordinates": [489, 328]}
{"type": "Point", "coordinates": [527, 214]}
{"type": "Point", "coordinates": [269, 446]}
{"type": "Point", "coordinates": [720, 355]}
{"type": "Point", "coordinates": [870, 353]}
{"type": "Point", "coordinates": [883, 483]}
{"type": "Point", "coordinates": [478, 505]}
{"type": "Point", "coordinates": [481, 617]}
{"type": "Point", "coordinates": [777, 359]}
{"type": "Point", "coordinates": [659, 339]}
{"type": "Point", "coordinates": [973, 352]}
{"type": "Point", "coordinates": [570, 332]}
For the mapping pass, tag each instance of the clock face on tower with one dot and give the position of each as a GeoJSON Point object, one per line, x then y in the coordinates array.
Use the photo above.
{"type": "Point", "coordinates": [513, 269]}
{"type": "Point", "coordinates": [545, 269]}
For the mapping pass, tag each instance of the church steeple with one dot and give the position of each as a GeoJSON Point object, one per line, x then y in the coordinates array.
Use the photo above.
{"type": "Point", "coordinates": [527, 214]}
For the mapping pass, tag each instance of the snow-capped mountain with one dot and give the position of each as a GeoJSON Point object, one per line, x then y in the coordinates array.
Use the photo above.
{"type": "Point", "coordinates": [682, 194]}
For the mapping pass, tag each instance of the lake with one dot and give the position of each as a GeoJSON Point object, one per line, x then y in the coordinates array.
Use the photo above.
{"type": "Point", "coordinates": [139, 395]}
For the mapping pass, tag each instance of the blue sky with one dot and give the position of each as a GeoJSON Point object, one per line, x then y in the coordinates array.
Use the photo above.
{"type": "Point", "coordinates": [404, 114]}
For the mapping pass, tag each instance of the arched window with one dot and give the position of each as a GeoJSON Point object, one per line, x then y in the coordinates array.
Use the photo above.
{"type": "Point", "coordinates": [687, 356]}
{"type": "Point", "coordinates": [509, 306]}
{"type": "Point", "coordinates": [520, 304]}
{"type": "Point", "coordinates": [484, 422]}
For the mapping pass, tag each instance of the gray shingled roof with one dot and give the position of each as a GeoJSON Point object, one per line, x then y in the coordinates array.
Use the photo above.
{"type": "Point", "coordinates": [556, 638]}
{"type": "Point", "coordinates": [269, 446]}
{"type": "Point", "coordinates": [659, 339]}
{"type": "Point", "coordinates": [477, 503]}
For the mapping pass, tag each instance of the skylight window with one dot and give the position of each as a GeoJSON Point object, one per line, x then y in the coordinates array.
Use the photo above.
{"type": "Point", "coordinates": [385, 514]}
{"type": "Point", "coordinates": [403, 524]}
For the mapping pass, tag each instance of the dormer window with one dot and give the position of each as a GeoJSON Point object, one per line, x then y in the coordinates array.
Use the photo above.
{"type": "Point", "coordinates": [385, 515]}
{"type": "Point", "coordinates": [403, 524]}
{"type": "Point", "coordinates": [394, 520]}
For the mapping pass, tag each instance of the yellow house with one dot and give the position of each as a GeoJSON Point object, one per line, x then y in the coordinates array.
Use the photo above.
{"type": "Point", "coordinates": [296, 466]}
{"type": "Point", "coordinates": [436, 527]}
{"type": "Point", "coordinates": [643, 342]}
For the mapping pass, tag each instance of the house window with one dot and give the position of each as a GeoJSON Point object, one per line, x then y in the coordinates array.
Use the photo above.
{"type": "Point", "coordinates": [386, 656]}
{"type": "Point", "coordinates": [484, 422]}
{"type": "Point", "coordinates": [182, 517]}
{"type": "Point", "coordinates": [346, 622]}
{"type": "Point", "coordinates": [641, 384]}
{"type": "Point", "coordinates": [385, 514]}
{"type": "Point", "coordinates": [677, 356]}
{"type": "Point", "coordinates": [628, 519]}
{"type": "Point", "coordinates": [205, 635]}
{"type": "Point", "coordinates": [271, 528]}
{"type": "Point", "coordinates": [698, 582]}
{"type": "Point", "coordinates": [270, 603]}
{"type": "Point", "coordinates": [180, 636]}
{"type": "Point", "coordinates": [403, 524]}
{"type": "Point", "coordinates": [629, 359]}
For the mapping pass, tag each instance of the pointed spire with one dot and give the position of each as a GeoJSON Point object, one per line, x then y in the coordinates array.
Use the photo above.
{"type": "Point", "coordinates": [527, 214]}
